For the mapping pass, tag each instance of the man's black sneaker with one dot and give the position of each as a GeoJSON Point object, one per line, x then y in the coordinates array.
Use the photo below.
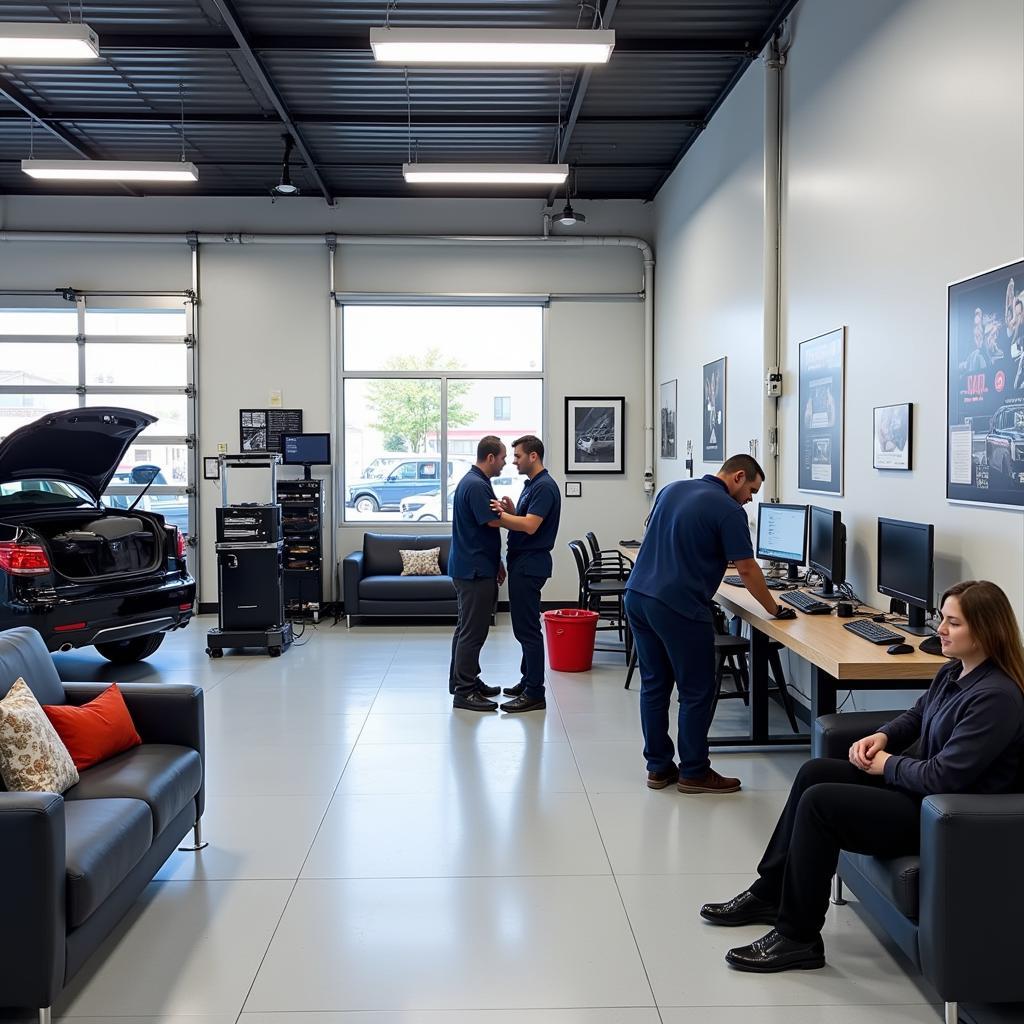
{"type": "Point", "coordinates": [523, 703]}
{"type": "Point", "coordinates": [474, 701]}
{"type": "Point", "coordinates": [515, 691]}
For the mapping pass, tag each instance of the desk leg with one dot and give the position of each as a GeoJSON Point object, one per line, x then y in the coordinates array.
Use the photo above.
{"type": "Point", "coordinates": [823, 694]}
{"type": "Point", "coordinates": [758, 686]}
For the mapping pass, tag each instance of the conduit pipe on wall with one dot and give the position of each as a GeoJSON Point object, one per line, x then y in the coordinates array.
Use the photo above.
{"type": "Point", "coordinates": [774, 61]}
{"type": "Point", "coordinates": [553, 241]}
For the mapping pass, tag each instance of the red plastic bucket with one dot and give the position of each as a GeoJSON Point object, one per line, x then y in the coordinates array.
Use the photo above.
{"type": "Point", "coordinates": [570, 634]}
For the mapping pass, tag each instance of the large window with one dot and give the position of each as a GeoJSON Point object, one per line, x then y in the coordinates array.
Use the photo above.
{"type": "Point", "coordinates": [420, 386]}
{"type": "Point", "coordinates": [88, 355]}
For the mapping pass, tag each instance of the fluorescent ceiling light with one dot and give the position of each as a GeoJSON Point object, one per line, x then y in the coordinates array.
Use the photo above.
{"type": "Point", "coordinates": [491, 46]}
{"type": "Point", "coordinates": [20, 41]}
{"type": "Point", "coordinates": [486, 174]}
{"type": "Point", "coordinates": [110, 170]}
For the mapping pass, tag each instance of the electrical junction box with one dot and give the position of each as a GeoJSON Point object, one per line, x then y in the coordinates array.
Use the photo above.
{"type": "Point", "coordinates": [773, 383]}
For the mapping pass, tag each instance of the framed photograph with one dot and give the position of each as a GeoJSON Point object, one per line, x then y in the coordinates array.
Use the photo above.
{"type": "Point", "coordinates": [668, 419]}
{"type": "Point", "coordinates": [573, 489]}
{"type": "Point", "coordinates": [714, 411]}
{"type": "Point", "coordinates": [211, 467]}
{"type": "Point", "coordinates": [595, 435]}
{"type": "Point", "coordinates": [893, 434]}
{"type": "Point", "coordinates": [822, 371]}
{"type": "Point", "coordinates": [985, 388]}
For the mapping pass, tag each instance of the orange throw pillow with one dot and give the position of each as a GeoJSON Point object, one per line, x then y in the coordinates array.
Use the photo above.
{"type": "Point", "coordinates": [97, 730]}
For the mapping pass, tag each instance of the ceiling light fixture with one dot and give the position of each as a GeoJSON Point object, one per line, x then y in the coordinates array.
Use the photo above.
{"type": "Point", "coordinates": [491, 46]}
{"type": "Point", "coordinates": [110, 170]}
{"type": "Point", "coordinates": [285, 187]}
{"type": "Point", "coordinates": [485, 174]}
{"type": "Point", "coordinates": [25, 41]}
{"type": "Point", "coordinates": [569, 217]}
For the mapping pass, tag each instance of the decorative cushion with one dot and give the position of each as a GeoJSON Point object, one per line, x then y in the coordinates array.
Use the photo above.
{"type": "Point", "coordinates": [97, 730]}
{"type": "Point", "coordinates": [421, 563]}
{"type": "Point", "coordinates": [32, 757]}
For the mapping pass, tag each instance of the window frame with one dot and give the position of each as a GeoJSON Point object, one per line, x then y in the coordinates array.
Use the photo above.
{"type": "Point", "coordinates": [443, 376]}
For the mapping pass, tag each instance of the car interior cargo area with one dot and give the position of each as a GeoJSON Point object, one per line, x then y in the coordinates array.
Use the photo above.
{"type": "Point", "coordinates": [86, 547]}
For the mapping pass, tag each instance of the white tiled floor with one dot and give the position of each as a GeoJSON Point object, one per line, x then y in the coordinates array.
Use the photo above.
{"type": "Point", "coordinates": [375, 858]}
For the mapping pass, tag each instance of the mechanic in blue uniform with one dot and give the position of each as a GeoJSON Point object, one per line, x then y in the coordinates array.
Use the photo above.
{"type": "Point", "coordinates": [475, 567]}
{"type": "Point", "coordinates": [533, 527]}
{"type": "Point", "coordinates": [695, 528]}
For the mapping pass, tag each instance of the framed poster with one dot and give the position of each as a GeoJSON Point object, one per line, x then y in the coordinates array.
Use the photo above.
{"type": "Point", "coordinates": [594, 435]}
{"type": "Point", "coordinates": [668, 419]}
{"type": "Point", "coordinates": [821, 412]}
{"type": "Point", "coordinates": [260, 430]}
{"type": "Point", "coordinates": [985, 388]}
{"type": "Point", "coordinates": [714, 411]}
{"type": "Point", "coordinates": [893, 437]}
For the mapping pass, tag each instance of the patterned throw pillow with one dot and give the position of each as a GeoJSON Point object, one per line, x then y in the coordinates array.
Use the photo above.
{"type": "Point", "coordinates": [32, 757]}
{"type": "Point", "coordinates": [421, 563]}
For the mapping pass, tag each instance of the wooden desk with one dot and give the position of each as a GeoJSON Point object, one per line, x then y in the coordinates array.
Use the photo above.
{"type": "Point", "coordinates": [839, 659]}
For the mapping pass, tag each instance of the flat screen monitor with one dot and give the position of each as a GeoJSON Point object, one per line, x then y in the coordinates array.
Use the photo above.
{"type": "Point", "coordinates": [906, 568]}
{"type": "Point", "coordinates": [782, 534]}
{"type": "Point", "coordinates": [306, 450]}
{"type": "Point", "coordinates": [826, 548]}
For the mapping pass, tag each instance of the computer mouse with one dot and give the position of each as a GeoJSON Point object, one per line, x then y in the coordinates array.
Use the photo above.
{"type": "Point", "coordinates": [900, 649]}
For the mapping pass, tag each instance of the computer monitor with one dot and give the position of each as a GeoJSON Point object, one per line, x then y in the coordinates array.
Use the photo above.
{"type": "Point", "coordinates": [906, 568]}
{"type": "Point", "coordinates": [782, 535]}
{"type": "Point", "coordinates": [306, 450]}
{"type": "Point", "coordinates": [826, 549]}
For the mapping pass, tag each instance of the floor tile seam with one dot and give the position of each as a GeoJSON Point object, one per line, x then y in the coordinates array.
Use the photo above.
{"type": "Point", "coordinates": [769, 1006]}
{"type": "Point", "coordinates": [445, 878]}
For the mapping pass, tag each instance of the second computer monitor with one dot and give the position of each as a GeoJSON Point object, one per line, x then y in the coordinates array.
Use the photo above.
{"type": "Point", "coordinates": [826, 549]}
{"type": "Point", "coordinates": [906, 568]}
{"type": "Point", "coordinates": [782, 534]}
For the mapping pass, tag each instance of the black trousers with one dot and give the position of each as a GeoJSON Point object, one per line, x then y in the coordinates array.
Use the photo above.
{"type": "Point", "coordinates": [477, 599]}
{"type": "Point", "coordinates": [832, 806]}
{"type": "Point", "coordinates": [524, 604]}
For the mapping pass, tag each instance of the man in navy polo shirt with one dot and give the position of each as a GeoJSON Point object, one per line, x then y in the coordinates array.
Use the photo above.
{"type": "Point", "coordinates": [695, 528]}
{"type": "Point", "coordinates": [475, 567]}
{"type": "Point", "coordinates": [532, 526]}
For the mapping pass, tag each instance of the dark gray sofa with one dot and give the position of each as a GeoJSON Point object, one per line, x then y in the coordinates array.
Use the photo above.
{"type": "Point", "coordinates": [74, 864]}
{"type": "Point", "coordinates": [374, 584]}
{"type": "Point", "coordinates": [955, 910]}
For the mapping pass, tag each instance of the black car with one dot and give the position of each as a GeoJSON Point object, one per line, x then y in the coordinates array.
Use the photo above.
{"type": "Point", "coordinates": [1004, 446]}
{"type": "Point", "coordinates": [78, 572]}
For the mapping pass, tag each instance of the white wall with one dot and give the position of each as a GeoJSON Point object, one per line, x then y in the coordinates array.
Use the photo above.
{"type": "Point", "coordinates": [903, 169]}
{"type": "Point", "coordinates": [264, 314]}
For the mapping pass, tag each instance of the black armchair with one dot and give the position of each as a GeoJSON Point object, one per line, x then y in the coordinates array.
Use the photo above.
{"type": "Point", "coordinates": [954, 910]}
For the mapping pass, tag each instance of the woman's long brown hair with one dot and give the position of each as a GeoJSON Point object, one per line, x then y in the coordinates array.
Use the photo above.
{"type": "Point", "coordinates": [989, 615]}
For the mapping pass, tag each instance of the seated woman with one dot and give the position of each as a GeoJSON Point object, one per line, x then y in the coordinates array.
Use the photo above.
{"type": "Point", "coordinates": [964, 735]}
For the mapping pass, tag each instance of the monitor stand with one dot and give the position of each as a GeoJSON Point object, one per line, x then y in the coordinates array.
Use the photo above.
{"type": "Point", "coordinates": [827, 592]}
{"type": "Point", "coordinates": [306, 474]}
{"type": "Point", "coordinates": [916, 625]}
{"type": "Point", "coordinates": [792, 576]}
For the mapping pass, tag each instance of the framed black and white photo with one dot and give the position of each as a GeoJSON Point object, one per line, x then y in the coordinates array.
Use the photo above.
{"type": "Point", "coordinates": [893, 434]}
{"type": "Point", "coordinates": [668, 419]}
{"type": "Point", "coordinates": [820, 432]}
{"type": "Point", "coordinates": [714, 411]}
{"type": "Point", "coordinates": [211, 467]}
{"type": "Point", "coordinates": [594, 435]}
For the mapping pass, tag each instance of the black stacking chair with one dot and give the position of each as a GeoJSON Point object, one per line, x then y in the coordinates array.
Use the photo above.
{"type": "Point", "coordinates": [602, 588]}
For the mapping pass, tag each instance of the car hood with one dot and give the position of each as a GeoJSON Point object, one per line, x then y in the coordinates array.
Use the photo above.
{"type": "Point", "coordinates": [81, 446]}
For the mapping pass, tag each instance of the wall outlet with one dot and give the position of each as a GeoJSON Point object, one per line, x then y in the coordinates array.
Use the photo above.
{"type": "Point", "coordinates": [222, 448]}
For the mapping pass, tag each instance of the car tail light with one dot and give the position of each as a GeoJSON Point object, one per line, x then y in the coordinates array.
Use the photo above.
{"type": "Point", "coordinates": [70, 627]}
{"type": "Point", "coordinates": [23, 559]}
{"type": "Point", "coordinates": [179, 540]}
{"type": "Point", "coordinates": [185, 607]}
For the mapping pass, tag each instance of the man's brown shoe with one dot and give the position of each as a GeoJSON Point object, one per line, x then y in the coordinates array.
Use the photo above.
{"type": "Point", "coordinates": [659, 780]}
{"type": "Point", "coordinates": [709, 782]}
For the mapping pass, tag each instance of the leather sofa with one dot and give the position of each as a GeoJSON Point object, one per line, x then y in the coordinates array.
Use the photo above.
{"type": "Point", "coordinates": [373, 583]}
{"type": "Point", "coordinates": [73, 865]}
{"type": "Point", "coordinates": [955, 909]}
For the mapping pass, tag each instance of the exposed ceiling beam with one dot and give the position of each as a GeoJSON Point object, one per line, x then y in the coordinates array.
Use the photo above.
{"type": "Point", "coordinates": [360, 43]}
{"type": "Point", "coordinates": [776, 22]}
{"type": "Point", "coordinates": [576, 98]}
{"type": "Point", "coordinates": [341, 119]}
{"type": "Point", "coordinates": [226, 9]}
{"type": "Point", "coordinates": [26, 106]}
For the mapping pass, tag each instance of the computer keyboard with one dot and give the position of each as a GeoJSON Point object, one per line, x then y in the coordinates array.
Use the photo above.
{"type": "Point", "coordinates": [806, 603]}
{"type": "Point", "coordinates": [733, 581]}
{"type": "Point", "coordinates": [873, 632]}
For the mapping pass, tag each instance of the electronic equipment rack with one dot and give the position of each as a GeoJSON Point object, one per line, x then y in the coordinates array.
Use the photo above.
{"type": "Point", "coordinates": [302, 514]}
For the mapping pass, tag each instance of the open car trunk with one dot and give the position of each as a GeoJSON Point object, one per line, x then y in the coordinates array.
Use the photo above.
{"type": "Point", "coordinates": [87, 546]}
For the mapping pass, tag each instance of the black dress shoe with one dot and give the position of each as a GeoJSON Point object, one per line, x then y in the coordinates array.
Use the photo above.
{"type": "Point", "coordinates": [523, 703]}
{"type": "Point", "coordinates": [743, 909]}
{"type": "Point", "coordinates": [515, 691]}
{"type": "Point", "coordinates": [474, 701]}
{"type": "Point", "coordinates": [774, 952]}
{"type": "Point", "coordinates": [487, 691]}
